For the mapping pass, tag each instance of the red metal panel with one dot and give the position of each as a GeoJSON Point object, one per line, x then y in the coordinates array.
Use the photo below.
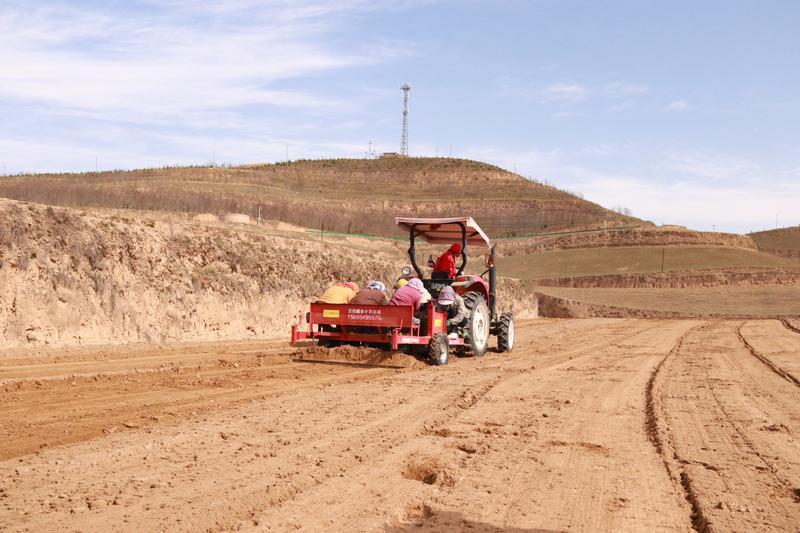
{"type": "Point", "coordinates": [437, 322]}
{"type": "Point", "coordinates": [362, 315]}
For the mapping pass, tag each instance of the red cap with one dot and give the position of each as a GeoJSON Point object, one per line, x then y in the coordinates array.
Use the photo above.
{"type": "Point", "coordinates": [456, 248]}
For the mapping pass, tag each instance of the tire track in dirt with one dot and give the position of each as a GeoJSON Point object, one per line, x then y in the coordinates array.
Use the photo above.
{"type": "Point", "coordinates": [313, 453]}
{"type": "Point", "coordinates": [462, 401]}
{"type": "Point", "coordinates": [417, 446]}
{"type": "Point", "coordinates": [391, 436]}
{"type": "Point", "coordinates": [725, 425]}
{"type": "Point", "coordinates": [788, 325]}
{"type": "Point", "coordinates": [370, 439]}
{"type": "Point", "coordinates": [769, 364]}
{"type": "Point", "coordinates": [552, 439]}
{"type": "Point", "coordinates": [656, 425]}
{"type": "Point", "coordinates": [741, 433]}
{"type": "Point", "coordinates": [65, 412]}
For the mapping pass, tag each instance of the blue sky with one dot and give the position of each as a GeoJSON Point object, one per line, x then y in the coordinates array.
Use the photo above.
{"type": "Point", "coordinates": [685, 112]}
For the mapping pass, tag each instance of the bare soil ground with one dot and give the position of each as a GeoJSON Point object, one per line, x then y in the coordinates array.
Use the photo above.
{"type": "Point", "coordinates": [748, 301]}
{"type": "Point", "coordinates": [601, 424]}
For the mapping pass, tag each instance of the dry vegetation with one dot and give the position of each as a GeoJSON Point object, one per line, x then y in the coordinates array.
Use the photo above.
{"type": "Point", "coordinates": [784, 242]}
{"type": "Point", "coordinates": [643, 235]}
{"type": "Point", "coordinates": [635, 259]}
{"type": "Point", "coordinates": [347, 195]}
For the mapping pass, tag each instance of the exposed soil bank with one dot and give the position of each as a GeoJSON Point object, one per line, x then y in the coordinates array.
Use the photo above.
{"type": "Point", "coordinates": [677, 279]}
{"type": "Point", "coordinates": [72, 278]}
{"type": "Point", "coordinates": [561, 306]}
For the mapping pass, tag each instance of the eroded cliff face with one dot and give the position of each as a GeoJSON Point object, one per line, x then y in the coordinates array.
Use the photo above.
{"type": "Point", "coordinates": [71, 277]}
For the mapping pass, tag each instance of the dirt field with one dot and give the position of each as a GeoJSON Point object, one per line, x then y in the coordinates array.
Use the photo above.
{"type": "Point", "coordinates": [594, 424]}
{"type": "Point", "coordinates": [764, 301]}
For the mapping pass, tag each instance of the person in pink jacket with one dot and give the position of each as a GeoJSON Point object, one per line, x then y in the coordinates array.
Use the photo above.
{"type": "Point", "coordinates": [410, 294]}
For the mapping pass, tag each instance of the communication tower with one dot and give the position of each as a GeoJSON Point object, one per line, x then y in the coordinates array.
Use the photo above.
{"type": "Point", "coordinates": [404, 135]}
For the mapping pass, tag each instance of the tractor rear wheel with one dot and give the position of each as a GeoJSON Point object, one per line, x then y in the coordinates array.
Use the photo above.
{"type": "Point", "coordinates": [478, 324]}
{"type": "Point", "coordinates": [505, 332]}
{"type": "Point", "coordinates": [439, 349]}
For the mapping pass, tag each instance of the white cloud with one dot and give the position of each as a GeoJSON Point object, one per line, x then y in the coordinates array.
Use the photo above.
{"type": "Point", "coordinates": [565, 93]}
{"type": "Point", "coordinates": [149, 83]}
{"type": "Point", "coordinates": [617, 96]}
{"type": "Point", "coordinates": [666, 194]}
{"type": "Point", "coordinates": [678, 105]}
{"type": "Point", "coordinates": [157, 149]}
{"type": "Point", "coordinates": [714, 166]}
{"type": "Point", "coordinates": [621, 106]}
{"type": "Point", "coordinates": [149, 64]}
{"type": "Point", "coordinates": [621, 89]}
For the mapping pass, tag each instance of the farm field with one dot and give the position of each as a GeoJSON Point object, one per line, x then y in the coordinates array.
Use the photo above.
{"type": "Point", "coordinates": [599, 424]}
{"type": "Point", "coordinates": [778, 239]}
{"type": "Point", "coordinates": [635, 259]}
{"type": "Point", "coordinates": [765, 301]}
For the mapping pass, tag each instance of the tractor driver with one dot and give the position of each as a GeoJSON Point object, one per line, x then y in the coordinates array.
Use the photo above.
{"type": "Point", "coordinates": [457, 313]}
{"type": "Point", "coordinates": [446, 265]}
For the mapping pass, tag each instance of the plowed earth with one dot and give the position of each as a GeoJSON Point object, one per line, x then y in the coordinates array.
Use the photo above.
{"type": "Point", "coordinates": [600, 424]}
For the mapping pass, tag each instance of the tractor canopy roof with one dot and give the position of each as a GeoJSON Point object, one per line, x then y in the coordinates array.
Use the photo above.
{"type": "Point", "coordinates": [445, 230]}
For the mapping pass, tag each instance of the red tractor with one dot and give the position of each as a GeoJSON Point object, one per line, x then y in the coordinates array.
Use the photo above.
{"type": "Point", "coordinates": [397, 326]}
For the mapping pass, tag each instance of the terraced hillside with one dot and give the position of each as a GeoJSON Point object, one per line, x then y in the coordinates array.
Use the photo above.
{"type": "Point", "coordinates": [637, 260]}
{"type": "Point", "coordinates": [348, 195]}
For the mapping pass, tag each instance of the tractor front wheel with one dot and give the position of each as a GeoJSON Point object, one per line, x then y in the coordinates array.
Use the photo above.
{"type": "Point", "coordinates": [439, 349]}
{"type": "Point", "coordinates": [505, 332]}
{"type": "Point", "coordinates": [478, 325]}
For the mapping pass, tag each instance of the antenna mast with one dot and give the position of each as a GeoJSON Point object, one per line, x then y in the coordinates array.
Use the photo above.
{"type": "Point", "coordinates": [404, 135]}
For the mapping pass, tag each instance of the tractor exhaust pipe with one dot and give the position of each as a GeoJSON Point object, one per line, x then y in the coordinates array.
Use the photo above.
{"type": "Point", "coordinates": [492, 284]}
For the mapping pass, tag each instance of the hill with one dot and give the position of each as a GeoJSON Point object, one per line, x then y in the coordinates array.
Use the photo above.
{"type": "Point", "coordinates": [784, 242]}
{"type": "Point", "coordinates": [644, 235]}
{"type": "Point", "coordinates": [346, 195]}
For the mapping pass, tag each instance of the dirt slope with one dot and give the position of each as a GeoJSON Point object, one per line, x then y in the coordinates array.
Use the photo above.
{"type": "Point", "coordinates": [68, 277]}
{"type": "Point", "coordinates": [613, 425]}
{"type": "Point", "coordinates": [352, 195]}
{"type": "Point", "coordinates": [74, 278]}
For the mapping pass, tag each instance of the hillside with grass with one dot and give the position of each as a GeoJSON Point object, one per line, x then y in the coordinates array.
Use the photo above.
{"type": "Point", "coordinates": [783, 242]}
{"type": "Point", "coordinates": [342, 195]}
{"type": "Point", "coordinates": [636, 260]}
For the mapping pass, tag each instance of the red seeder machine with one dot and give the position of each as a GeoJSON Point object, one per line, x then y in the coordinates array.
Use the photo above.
{"type": "Point", "coordinates": [395, 327]}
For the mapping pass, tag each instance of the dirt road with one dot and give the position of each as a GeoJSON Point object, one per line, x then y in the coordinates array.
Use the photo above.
{"type": "Point", "coordinates": [594, 424]}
